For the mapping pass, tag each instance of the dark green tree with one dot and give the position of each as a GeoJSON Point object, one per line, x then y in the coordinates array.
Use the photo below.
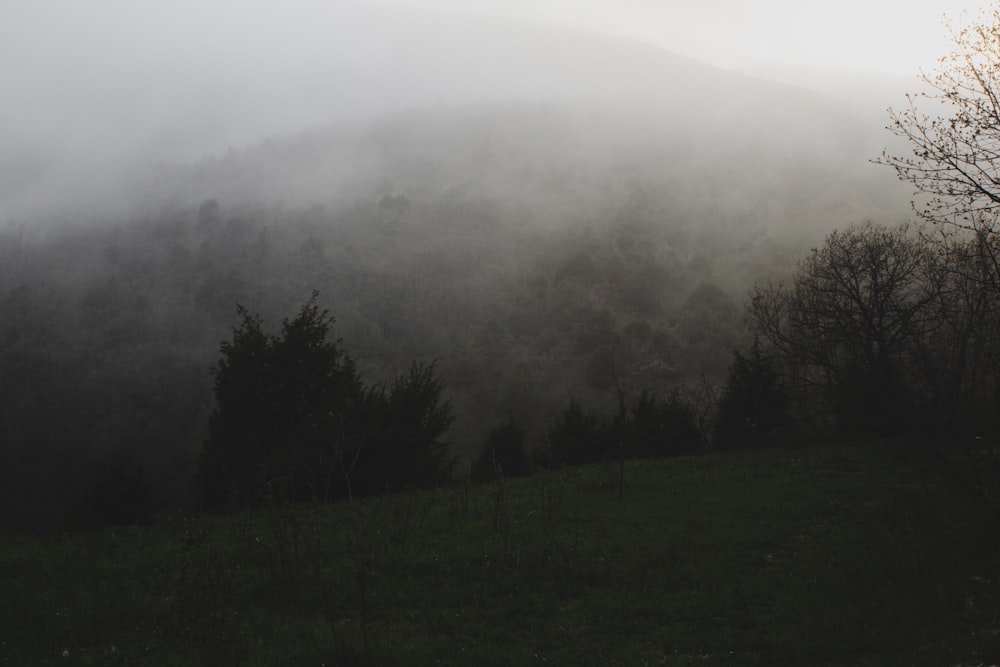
{"type": "Point", "coordinates": [663, 427]}
{"type": "Point", "coordinates": [577, 436]}
{"type": "Point", "coordinates": [754, 407]}
{"type": "Point", "coordinates": [403, 425]}
{"type": "Point", "coordinates": [503, 453]}
{"type": "Point", "coordinates": [121, 496]}
{"type": "Point", "coordinates": [281, 402]}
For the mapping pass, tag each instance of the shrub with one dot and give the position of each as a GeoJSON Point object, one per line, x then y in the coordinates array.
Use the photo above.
{"type": "Point", "coordinates": [754, 406]}
{"type": "Point", "coordinates": [503, 453]}
{"type": "Point", "coordinates": [577, 436]}
{"type": "Point", "coordinates": [663, 427]}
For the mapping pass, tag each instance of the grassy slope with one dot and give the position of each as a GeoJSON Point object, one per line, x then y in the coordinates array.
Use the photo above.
{"type": "Point", "coordinates": [817, 556]}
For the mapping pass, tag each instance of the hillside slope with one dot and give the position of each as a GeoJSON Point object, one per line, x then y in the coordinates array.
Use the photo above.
{"type": "Point", "coordinates": [850, 556]}
{"type": "Point", "coordinates": [542, 211]}
{"type": "Point", "coordinates": [361, 62]}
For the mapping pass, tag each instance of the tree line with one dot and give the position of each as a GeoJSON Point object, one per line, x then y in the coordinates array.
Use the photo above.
{"type": "Point", "coordinates": [107, 334]}
{"type": "Point", "coordinates": [884, 331]}
{"type": "Point", "coordinates": [294, 421]}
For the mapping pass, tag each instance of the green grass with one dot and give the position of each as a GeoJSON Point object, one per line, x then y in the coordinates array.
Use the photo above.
{"type": "Point", "coordinates": [848, 556]}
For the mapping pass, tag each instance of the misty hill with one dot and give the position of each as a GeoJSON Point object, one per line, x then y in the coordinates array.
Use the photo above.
{"type": "Point", "coordinates": [629, 106]}
{"type": "Point", "coordinates": [501, 108]}
{"type": "Point", "coordinates": [577, 210]}
{"type": "Point", "coordinates": [558, 159]}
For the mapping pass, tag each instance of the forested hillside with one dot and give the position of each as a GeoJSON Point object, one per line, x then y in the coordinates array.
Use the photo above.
{"type": "Point", "coordinates": [529, 272]}
{"type": "Point", "coordinates": [536, 250]}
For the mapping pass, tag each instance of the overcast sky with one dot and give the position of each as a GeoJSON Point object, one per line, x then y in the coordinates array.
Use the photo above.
{"type": "Point", "coordinates": [127, 59]}
{"type": "Point", "coordinates": [97, 80]}
{"type": "Point", "coordinates": [878, 36]}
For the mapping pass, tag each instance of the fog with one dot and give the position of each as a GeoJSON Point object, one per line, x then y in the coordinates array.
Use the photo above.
{"type": "Point", "coordinates": [890, 37]}
{"type": "Point", "coordinates": [512, 189]}
{"type": "Point", "coordinates": [103, 89]}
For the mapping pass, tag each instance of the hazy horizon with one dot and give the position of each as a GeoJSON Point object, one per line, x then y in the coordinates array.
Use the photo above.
{"type": "Point", "coordinates": [115, 83]}
{"type": "Point", "coordinates": [881, 37]}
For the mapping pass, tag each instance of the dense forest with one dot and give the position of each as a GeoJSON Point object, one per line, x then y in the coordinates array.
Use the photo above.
{"type": "Point", "coordinates": [538, 254]}
{"type": "Point", "coordinates": [597, 272]}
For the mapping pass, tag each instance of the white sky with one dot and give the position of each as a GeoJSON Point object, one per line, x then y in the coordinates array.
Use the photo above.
{"type": "Point", "coordinates": [179, 77]}
{"type": "Point", "coordinates": [876, 36]}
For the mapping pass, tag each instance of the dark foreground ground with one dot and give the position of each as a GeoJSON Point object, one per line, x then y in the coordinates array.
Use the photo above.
{"type": "Point", "coordinates": [818, 556]}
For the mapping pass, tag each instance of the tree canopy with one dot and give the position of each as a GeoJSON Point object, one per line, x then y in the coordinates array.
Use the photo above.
{"type": "Point", "coordinates": [882, 328]}
{"type": "Point", "coordinates": [279, 400]}
{"type": "Point", "coordinates": [955, 161]}
{"type": "Point", "coordinates": [294, 421]}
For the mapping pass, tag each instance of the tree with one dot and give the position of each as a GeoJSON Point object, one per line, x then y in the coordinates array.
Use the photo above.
{"type": "Point", "coordinates": [121, 496]}
{"type": "Point", "coordinates": [753, 406]}
{"type": "Point", "coordinates": [848, 323]}
{"type": "Point", "coordinates": [503, 453]}
{"type": "Point", "coordinates": [402, 427]}
{"type": "Point", "coordinates": [956, 156]}
{"type": "Point", "coordinates": [962, 359]}
{"type": "Point", "coordinates": [577, 436]}
{"type": "Point", "coordinates": [955, 166]}
{"type": "Point", "coordinates": [662, 427]}
{"type": "Point", "coordinates": [280, 405]}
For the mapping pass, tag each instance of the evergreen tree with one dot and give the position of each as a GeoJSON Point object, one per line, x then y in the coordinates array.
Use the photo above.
{"type": "Point", "coordinates": [663, 427]}
{"type": "Point", "coordinates": [280, 402]}
{"type": "Point", "coordinates": [502, 453]}
{"type": "Point", "coordinates": [578, 436]}
{"type": "Point", "coordinates": [753, 405]}
{"type": "Point", "coordinates": [403, 425]}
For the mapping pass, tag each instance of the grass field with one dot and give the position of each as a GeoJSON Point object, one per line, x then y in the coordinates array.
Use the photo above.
{"type": "Point", "coordinates": [820, 556]}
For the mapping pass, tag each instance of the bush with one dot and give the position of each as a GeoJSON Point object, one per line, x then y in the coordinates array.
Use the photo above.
{"type": "Point", "coordinates": [402, 426]}
{"type": "Point", "coordinates": [280, 401]}
{"type": "Point", "coordinates": [578, 436]}
{"type": "Point", "coordinates": [663, 427]}
{"type": "Point", "coordinates": [753, 408]}
{"type": "Point", "coordinates": [502, 453]}
{"type": "Point", "coordinates": [121, 496]}
{"type": "Point", "coordinates": [293, 420]}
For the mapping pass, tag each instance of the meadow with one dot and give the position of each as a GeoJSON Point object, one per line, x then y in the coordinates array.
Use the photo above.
{"type": "Point", "coordinates": [851, 555]}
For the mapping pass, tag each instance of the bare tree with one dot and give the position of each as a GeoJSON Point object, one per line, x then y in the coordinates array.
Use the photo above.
{"type": "Point", "coordinates": [955, 160]}
{"type": "Point", "coordinates": [956, 356]}
{"type": "Point", "coordinates": [955, 166]}
{"type": "Point", "coordinates": [346, 451]}
{"type": "Point", "coordinates": [847, 323]}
